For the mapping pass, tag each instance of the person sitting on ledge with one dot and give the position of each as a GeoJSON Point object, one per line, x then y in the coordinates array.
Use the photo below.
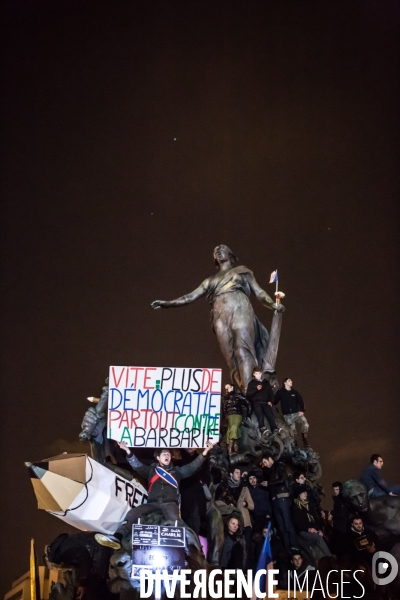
{"type": "Point", "coordinates": [163, 490]}
{"type": "Point", "coordinates": [372, 479]}
{"type": "Point", "coordinates": [292, 405]}
{"type": "Point", "coordinates": [260, 394]}
{"type": "Point", "coordinates": [313, 496]}
{"type": "Point", "coordinates": [307, 522]}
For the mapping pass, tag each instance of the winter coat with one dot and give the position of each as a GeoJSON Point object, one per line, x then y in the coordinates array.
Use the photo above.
{"type": "Point", "coordinates": [161, 491]}
{"type": "Point", "coordinates": [264, 395]}
{"type": "Point", "coordinates": [233, 402]}
{"type": "Point", "coordinates": [341, 514]}
{"type": "Point", "coordinates": [261, 500]}
{"type": "Point", "coordinates": [291, 401]}
{"type": "Point", "coordinates": [372, 478]}
{"type": "Point", "coordinates": [301, 520]}
{"type": "Point", "coordinates": [277, 480]}
{"type": "Point", "coordinates": [245, 496]}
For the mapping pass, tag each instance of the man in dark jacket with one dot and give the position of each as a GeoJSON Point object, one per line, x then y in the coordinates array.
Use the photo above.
{"type": "Point", "coordinates": [275, 474]}
{"type": "Point", "coordinates": [339, 517]}
{"type": "Point", "coordinates": [372, 479]}
{"type": "Point", "coordinates": [262, 510]}
{"type": "Point", "coordinates": [260, 394]}
{"type": "Point", "coordinates": [90, 560]}
{"type": "Point", "coordinates": [232, 406]}
{"type": "Point", "coordinates": [307, 521]}
{"type": "Point", "coordinates": [361, 543]}
{"type": "Point", "coordinates": [292, 406]}
{"type": "Point", "coordinates": [163, 490]}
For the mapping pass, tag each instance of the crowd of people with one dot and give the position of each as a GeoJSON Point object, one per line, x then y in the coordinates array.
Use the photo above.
{"type": "Point", "coordinates": [261, 399]}
{"type": "Point", "coordinates": [306, 528]}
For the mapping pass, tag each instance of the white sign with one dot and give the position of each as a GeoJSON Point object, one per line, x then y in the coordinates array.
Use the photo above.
{"type": "Point", "coordinates": [162, 407]}
{"type": "Point", "coordinates": [84, 493]}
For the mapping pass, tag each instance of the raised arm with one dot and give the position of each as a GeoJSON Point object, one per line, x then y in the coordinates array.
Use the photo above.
{"type": "Point", "coordinates": [262, 295]}
{"type": "Point", "coordinates": [187, 299]}
{"type": "Point", "coordinates": [135, 463]}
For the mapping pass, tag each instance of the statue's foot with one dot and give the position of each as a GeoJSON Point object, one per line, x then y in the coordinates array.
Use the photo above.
{"type": "Point", "coordinates": [108, 540]}
{"type": "Point", "coordinates": [277, 431]}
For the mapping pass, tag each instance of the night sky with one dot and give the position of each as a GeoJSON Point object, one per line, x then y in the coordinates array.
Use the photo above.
{"type": "Point", "coordinates": [139, 135]}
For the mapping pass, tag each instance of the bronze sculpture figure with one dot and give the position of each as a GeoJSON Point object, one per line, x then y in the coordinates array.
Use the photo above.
{"type": "Point", "coordinates": [243, 339]}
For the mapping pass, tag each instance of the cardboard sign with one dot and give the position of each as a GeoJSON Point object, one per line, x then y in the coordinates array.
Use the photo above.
{"type": "Point", "coordinates": [172, 536]}
{"type": "Point", "coordinates": [162, 407]}
{"type": "Point", "coordinates": [145, 535]}
{"type": "Point", "coordinates": [157, 559]}
{"type": "Point", "coordinates": [157, 547]}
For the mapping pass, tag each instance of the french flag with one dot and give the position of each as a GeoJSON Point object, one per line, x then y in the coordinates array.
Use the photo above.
{"type": "Point", "coordinates": [264, 562]}
{"type": "Point", "coordinates": [274, 276]}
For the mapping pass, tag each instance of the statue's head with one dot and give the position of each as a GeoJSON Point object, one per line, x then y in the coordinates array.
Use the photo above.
{"type": "Point", "coordinates": [223, 254]}
{"type": "Point", "coordinates": [355, 495]}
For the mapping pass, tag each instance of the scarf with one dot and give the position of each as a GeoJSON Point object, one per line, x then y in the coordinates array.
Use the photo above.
{"type": "Point", "coordinates": [232, 483]}
{"type": "Point", "coordinates": [303, 505]}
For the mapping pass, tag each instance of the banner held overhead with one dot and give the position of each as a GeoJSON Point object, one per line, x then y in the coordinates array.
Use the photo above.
{"type": "Point", "coordinates": [164, 407]}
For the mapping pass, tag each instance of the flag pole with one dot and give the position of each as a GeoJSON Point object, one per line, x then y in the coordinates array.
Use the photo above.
{"type": "Point", "coordinates": [34, 574]}
{"type": "Point", "coordinates": [276, 289]}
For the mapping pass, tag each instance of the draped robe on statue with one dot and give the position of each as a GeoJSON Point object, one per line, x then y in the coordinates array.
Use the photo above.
{"type": "Point", "coordinates": [242, 337]}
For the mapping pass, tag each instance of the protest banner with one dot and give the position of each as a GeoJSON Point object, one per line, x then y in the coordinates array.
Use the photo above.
{"type": "Point", "coordinates": [162, 407]}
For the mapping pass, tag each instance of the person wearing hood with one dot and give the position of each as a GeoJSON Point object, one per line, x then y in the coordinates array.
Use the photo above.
{"type": "Point", "coordinates": [163, 490]}
{"type": "Point", "coordinates": [307, 522]}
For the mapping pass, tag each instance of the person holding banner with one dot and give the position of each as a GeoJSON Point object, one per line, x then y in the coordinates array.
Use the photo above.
{"type": "Point", "coordinates": [163, 490]}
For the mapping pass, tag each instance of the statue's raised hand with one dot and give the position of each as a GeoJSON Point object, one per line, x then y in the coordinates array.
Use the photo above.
{"type": "Point", "coordinates": [278, 307]}
{"type": "Point", "coordinates": [160, 304]}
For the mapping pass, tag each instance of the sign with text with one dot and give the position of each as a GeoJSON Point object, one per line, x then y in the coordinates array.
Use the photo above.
{"type": "Point", "coordinates": [157, 547]}
{"type": "Point", "coordinates": [164, 407]}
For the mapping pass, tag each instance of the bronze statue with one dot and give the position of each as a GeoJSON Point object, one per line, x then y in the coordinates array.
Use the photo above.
{"type": "Point", "coordinates": [381, 513]}
{"type": "Point", "coordinates": [243, 339]}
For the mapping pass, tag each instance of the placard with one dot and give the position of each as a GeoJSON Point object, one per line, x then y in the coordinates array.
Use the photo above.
{"type": "Point", "coordinates": [157, 547]}
{"type": "Point", "coordinates": [164, 407]}
{"type": "Point", "coordinates": [145, 535]}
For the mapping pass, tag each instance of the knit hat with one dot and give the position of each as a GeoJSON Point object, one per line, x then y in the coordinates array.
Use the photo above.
{"type": "Point", "coordinates": [299, 489]}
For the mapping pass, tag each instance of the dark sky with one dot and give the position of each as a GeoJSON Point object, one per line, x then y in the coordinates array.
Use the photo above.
{"type": "Point", "coordinates": [139, 135]}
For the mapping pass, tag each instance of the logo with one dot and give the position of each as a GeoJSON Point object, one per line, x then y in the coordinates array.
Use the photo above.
{"type": "Point", "coordinates": [384, 568]}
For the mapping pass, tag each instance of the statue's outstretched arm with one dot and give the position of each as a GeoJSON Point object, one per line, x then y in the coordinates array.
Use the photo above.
{"type": "Point", "coordinates": [262, 295]}
{"type": "Point", "coordinates": [187, 299]}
